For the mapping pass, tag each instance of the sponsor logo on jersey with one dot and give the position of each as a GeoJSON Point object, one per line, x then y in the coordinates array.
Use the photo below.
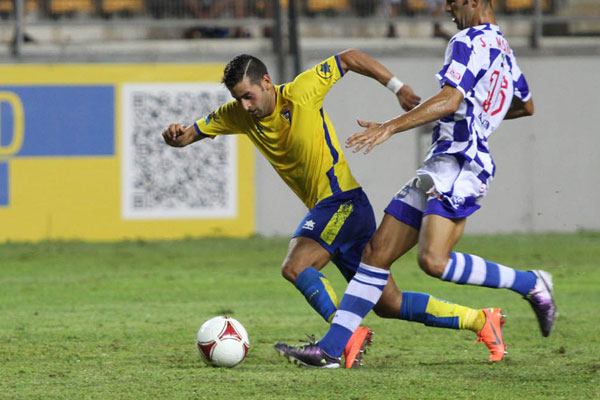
{"type": "Point", "coordinates": [454, 74]}
{"type": "Point", "coordinates": [484, 122]}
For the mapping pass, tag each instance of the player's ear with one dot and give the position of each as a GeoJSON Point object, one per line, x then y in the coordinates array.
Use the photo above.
{"type": "Point", "coordinates": [266, 81]}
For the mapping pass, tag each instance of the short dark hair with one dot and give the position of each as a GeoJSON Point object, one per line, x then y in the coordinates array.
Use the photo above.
{"type": "Point", "coordinates": [241, 66]}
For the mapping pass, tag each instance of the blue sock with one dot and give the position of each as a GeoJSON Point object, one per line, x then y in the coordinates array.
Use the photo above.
{"type": "Point", "coordinates": [474, 270]}
{"type": "Point", "coordinates": [318, 292]}
{"type": "Point", "coordinates": [362, 293]}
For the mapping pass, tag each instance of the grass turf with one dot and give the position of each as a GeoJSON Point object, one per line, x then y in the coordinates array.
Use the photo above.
{"type": "Point", "coordinates": [118, 320]}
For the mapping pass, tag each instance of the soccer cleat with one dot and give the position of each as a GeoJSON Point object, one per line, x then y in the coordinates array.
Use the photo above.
{"type": "Point", "coordinates": [491, 333]}
{"type": "Point", "coordinates": [357, 346]}
{"type": "Point", "coordinates": [309, 355]}
{"type": "Point", "coordinates": [541, 299]}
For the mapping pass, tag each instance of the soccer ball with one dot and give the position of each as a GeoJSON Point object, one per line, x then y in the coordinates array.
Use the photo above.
{"type": "Point", "coordinates": [222, 342]}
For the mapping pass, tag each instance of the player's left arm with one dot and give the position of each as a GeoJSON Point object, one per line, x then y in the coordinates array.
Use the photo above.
{"type": "Point", "coordinates": [361, 63]}
{"type": "Point", "coordinates": [519, 108]}
{"type": "Point", "coordinates": [522, 102]}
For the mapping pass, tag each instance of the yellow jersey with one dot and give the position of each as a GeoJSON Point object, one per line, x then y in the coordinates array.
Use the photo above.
{"type": "Point", "coordinates": [298, 138]}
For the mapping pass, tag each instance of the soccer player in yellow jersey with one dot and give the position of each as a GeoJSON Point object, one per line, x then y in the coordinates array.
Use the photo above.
{"type": "Point", "coordinates": [288, 125]}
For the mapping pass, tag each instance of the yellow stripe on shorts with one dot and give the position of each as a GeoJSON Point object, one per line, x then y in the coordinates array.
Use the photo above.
{"type": "Point", "coordinates": [335, 223]}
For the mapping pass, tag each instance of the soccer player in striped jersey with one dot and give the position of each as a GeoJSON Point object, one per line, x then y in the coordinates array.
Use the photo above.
{"type": "Point", "coordinates": [482, 85]}
{"type": "Point", "coordinates": [288, 125]}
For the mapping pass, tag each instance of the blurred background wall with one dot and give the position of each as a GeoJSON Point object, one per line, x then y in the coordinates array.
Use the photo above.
{"type": "Point", "coordinates": [172, 52]}
{"type": "Point", "coordinates": [547, 165]}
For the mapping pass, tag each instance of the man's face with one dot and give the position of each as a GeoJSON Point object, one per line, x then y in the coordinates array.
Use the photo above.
{"type": "Point", "coordinates": [254, 98]}
{"type": "Point", "coordinates": [461, 12]}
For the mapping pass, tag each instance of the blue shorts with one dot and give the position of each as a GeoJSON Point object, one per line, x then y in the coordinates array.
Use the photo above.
{"type": "Point", "coordinates": [343, 224]}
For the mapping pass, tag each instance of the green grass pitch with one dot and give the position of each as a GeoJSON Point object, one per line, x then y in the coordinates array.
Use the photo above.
{"type": "Point", "coordinates": [119, 320]}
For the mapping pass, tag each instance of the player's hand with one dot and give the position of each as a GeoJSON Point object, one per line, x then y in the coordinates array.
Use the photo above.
{"type": "Point", "coordinates": [173, 135]}
{"type": "Point", "coordinates": [375, 134]}
{"type": "Point", "coordinates": [407, 98]}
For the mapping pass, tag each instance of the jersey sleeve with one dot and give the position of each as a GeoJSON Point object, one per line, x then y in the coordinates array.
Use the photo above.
{"type": "Point", "coordinates": [226, 120]}
{"type": "Point", "coordinates": [311, 86]}
{"type": "Point", "coordinates": [459, 68]}
{"type": "Point", "coordinates": [521, 88]}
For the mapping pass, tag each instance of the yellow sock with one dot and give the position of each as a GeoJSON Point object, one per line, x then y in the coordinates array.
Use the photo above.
{"type": "Point", "coordinates": [478, 322]}
{"type": "Point", "coordinates": [421, 307]}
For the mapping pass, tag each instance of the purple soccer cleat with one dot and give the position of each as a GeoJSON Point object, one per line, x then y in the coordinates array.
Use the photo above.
{"type": "Point", "coordinates": [308, 355]}
{"type": "Point", "coordinates": [542, 301]}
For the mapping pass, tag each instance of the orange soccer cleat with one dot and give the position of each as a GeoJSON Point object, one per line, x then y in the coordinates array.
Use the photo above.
{"type": "Point", "coordinates": [356, 347]}
{"type": "Point", "coordinates": [491, 333]}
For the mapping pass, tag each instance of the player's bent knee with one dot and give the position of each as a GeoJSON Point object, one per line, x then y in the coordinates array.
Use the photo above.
{"type": "Point", "coordinates": [432, 264]}
{"type": "Point", "coordinates": [290, 272]}
{"type": "Point", "coordinates": [377, 254]}
{"type": "Point", "coordinates": [368, 252]}
{"type": "Point", "coordinates": [383, 311]}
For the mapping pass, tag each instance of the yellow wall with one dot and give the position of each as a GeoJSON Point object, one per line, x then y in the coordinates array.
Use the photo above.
{"type": "Point", "coordinates": [68, 197]}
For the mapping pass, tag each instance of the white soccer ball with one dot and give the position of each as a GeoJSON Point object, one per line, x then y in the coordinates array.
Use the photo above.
{"type": "Point", "coordinates": [222, 342]}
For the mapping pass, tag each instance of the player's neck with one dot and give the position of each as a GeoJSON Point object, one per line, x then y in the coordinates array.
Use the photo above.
{"type": "Point", "coordinates": [486, 16]}
{"type": "Point", "coordinates": [272, 101]}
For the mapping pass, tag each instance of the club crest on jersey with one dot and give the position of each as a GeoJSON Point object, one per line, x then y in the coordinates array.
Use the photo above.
{"type": "Point", "coordinates": [212, 116]}
{"type": "Point", "coordinates": [285, 113]}
{"type": "Point", "coordinates": [324, 70]}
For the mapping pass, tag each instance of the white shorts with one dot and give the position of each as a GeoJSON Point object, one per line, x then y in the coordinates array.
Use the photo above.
{"type": "Point", "coordinates": [444, 186]}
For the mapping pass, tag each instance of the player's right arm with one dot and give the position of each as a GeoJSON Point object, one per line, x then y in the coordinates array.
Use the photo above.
{"type": "Point", "coordinates": [228, 119]}
{"type": "Point", "coordinates": [178, 135]}
{"type": "Point", "coordinates": [361, 63]}
{"type": "Point", "coordinates": [311, 86]}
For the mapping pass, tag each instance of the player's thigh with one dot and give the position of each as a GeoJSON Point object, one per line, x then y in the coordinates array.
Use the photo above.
{"type": "Point", "coordinates": [303, 253]}
{"type": "Point", "coordinates": [437, 238]}
{"type": "Point", "coordinates": [391, 240]}
{"type": "Point", "coordinates": [342, 225]}
{"type": "Point", "coordinates": [390, 302]}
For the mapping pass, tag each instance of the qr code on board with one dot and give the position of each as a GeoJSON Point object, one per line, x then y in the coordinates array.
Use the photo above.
{"type": "Point", "coordinates": [159, 181]}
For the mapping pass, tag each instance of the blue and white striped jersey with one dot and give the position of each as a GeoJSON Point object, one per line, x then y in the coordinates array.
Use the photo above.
{"type": "Point", "coordinates": [480, 63]}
